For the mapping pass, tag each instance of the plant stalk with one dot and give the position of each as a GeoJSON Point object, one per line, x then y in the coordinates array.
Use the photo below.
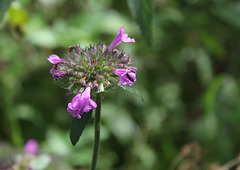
{"type": "Point", "coordinates": [97, 132]}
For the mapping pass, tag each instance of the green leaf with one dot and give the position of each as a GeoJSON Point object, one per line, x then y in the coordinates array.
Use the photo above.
{"type": "Point", "coordinates": [142, 12]}
{"type": "Point", "coordinates": [77, 127]}
{"type": "Point", "coordinates": [4, 5]}
{"type": "Point", "coordinates": [131, 90]}
{"type": "Point", "coordinates": [40, 161]}
{"type": "Point", "coordinates": [211, 94]}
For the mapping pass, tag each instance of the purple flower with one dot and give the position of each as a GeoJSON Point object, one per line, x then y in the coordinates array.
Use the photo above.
{"type": "Point", "coordinates": [81, 103]}
{"type": "Point", "coordinates": [57, 75]}
{"type": "Point", "coordinates": [54, 59]}
{"type": "Point", "coordinates": [119, 38]}
{"type": "Point", "coordinates": [31, 147]}
{"type": "Point", "coordinates": [127, 76]}
{"type": "Point", "coordinates": [53, 70]}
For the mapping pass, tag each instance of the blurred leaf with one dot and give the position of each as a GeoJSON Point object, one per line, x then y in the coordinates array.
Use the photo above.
{"type": "Point", "coordinates": [145, 154]}
{"type": "Point", "coordinates": [124, 134]}
{"type": "Point", "coordinates": [132, 90]}
{"type": "Point", "coordinates": [204, 66]}
{"type": "Point", "coordinates": [74, 157]}
{"type": "Point", "coordinates": [77, 127]}
{"type": "Point", "coordinates": [228, 15]}
{"type": "Point", "coordinates": [4, 5]}
{"type": "Point", "coordinates": [40, 162]}
{"type": "Point", "coordinates": [17, 15]}
{"type": "Point", "coordinates": [172, 14]}
{"type": "Point", "coordinates": [210, 96]}
{"type": "Point", "coordinates": [211, 43]}
{"type": "Point", "coordinates": [55, 139]}
{"type": "Point", "coordinates": [45, 37]}
{"type": "Point", "coordinates": [142, 12]}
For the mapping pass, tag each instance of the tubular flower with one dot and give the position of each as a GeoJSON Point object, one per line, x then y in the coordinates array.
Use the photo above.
{"type": "Point", "coordinates": [127, 76]}
{"type": "Point", "coordinates": [81, 103]}
{"type": "Point", "coordinates": [119, 38]}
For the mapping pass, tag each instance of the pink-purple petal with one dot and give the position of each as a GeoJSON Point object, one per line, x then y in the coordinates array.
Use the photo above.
{"type": "Point", "coordinates": [87, 108]}
{"type": "Point", "coordinates": [54, 59]}
{"type": "Point", "coordinates": [86, 93]}
{"type": "Point", "coordinates": [93, 104]}
{"type": "Point", "coordinates": [81, 103]}
{"type": "Point", "coordinates": [120, 72]}
{"type": "Point", "coordinates": [119, 38]}
{"type": "Point", "coordinates": [52, 70]}
{"type": "Point", "coordinates": [57, 75]}
{"type": "Point", "coordinates": [125, 38]}
{"type": "Point", "coordinates": [133, 69]}
{"type": "Point", "coordinates": [123, 80]}
{"type": "Point", "coordinates": [121, 30]}
{"type": "Point", "coordinates": [127, 76]}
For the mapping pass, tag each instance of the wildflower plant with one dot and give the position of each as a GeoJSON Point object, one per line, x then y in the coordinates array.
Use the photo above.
{"type": "Point", "coordinates": [88, 73]}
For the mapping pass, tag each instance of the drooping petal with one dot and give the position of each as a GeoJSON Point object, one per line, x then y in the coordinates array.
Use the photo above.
{"type": "Point", "coordinates": [93, 104]}
{"type": "Point", "coordinates": [87, 108]}
{"type": "Point", "coordinates": [54, 59]}
{"type": "Point", "coordinates": [72, 111]}
{"type": "Point", "coordinates": [123, 80]}
{"type": "Point", "coordinates": [119, 38]}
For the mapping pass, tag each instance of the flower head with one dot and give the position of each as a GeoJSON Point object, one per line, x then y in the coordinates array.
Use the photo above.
{"type": "Point", "coordinates": [95, 68]}
{"type": "Point", "coordinates": [127, 76]}
{"type": "Point", "coordinates": [81, 103]}
{"type": "Point", "coordinates": [54, 59]}
{"type": "Point", "coordinates": [119, 38]}
{"type": "Point", "coordinates": [31, 147]}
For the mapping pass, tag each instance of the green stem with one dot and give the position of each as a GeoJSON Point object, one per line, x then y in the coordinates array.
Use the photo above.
{"type": "Point", "coordinates": [16, 133]}
{"type": "Point", "coordinates": [14, 125]}
{"type": "Point", "coordinates": [97, 133]}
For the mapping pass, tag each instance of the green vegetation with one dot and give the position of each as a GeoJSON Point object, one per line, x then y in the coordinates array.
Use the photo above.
{"type": "Point", "coordinates": [187, 53]}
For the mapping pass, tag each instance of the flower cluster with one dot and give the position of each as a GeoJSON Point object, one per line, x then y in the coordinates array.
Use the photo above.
{"type": "Point", "coordinates": [22, 160]}
{"type": "Point", "coordinates": [97, 68]}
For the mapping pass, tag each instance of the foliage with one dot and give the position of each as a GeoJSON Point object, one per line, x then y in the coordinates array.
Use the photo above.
{"type": "Point", "coordinates": [189, 79]}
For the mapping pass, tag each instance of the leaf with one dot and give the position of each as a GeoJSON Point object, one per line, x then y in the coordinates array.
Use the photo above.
{"type": "Point", "coordinates": [77, 127]}
{"type": "Point", "coordinates": [142, 12]}
{"type": "Point", "coordinates": [40, 161]}
{"type": "Point", "coordinates": [131, 90]}
{"type": "Point", "coordinates": [4, 5]}
{"type": "Point", "coordinates": [211, 94]}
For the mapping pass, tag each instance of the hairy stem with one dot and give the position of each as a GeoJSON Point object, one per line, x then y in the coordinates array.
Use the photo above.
{"type": "Point", "coordinates": [97, 132]}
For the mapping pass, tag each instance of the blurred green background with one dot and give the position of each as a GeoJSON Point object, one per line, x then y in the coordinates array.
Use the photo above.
{"type": "Point", "coordinates": [188, 56]}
